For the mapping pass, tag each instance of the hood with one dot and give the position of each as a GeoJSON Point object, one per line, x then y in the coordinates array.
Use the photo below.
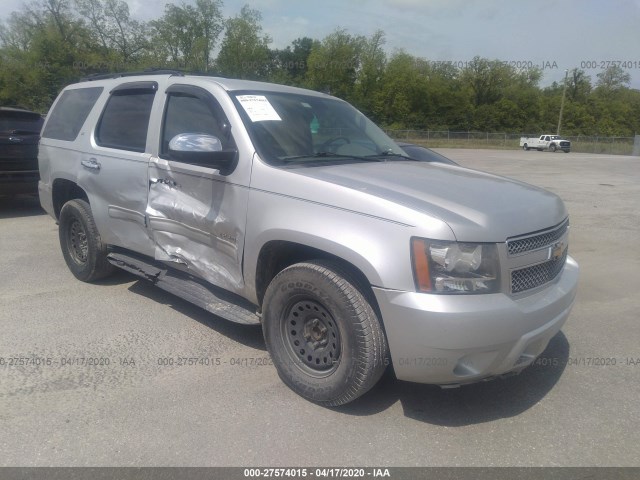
{"type": "Point", "coordinates": [477, 206]}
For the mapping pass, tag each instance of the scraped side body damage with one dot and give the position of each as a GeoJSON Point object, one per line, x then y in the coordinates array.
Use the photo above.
{"type": "Point", "coordinates": [197, 219]}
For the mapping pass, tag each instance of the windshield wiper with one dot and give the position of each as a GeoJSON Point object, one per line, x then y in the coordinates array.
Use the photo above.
{"type": "Point", "coordinates": [330, 156]}
{"type": "Point", "coordinates": [382, 156]}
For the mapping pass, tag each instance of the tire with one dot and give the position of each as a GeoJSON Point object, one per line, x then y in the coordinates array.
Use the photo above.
{"type": "Point", "coordinates": [552, 148]}
{"type": "Point", "coordinates": [324, 337]}
{"type": "Point", "coordinates": [84, 252]}
{"type": "Point", "coordinates": [525, 148]}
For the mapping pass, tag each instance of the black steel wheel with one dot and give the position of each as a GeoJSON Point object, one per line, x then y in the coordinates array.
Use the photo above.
{"type": "Point", "coordinates": [311, 336]}
{"type": "Point", "coordinates": [77, 244]}
{"type": "Point", "coordinates": [325, 339]}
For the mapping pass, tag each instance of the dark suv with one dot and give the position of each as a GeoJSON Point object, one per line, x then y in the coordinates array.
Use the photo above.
{"type": "Point", "coordinates": [19, 136]}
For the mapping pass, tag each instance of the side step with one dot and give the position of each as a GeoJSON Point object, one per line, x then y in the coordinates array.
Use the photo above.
{"type": "Point", "coordinates": [215, 300]}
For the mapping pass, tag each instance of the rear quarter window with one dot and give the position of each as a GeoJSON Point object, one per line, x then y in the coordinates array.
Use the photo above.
{"type": "Point", "coordinates": [70, 113]}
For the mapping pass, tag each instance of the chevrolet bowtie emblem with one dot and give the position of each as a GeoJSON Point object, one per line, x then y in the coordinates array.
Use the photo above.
{"type": "Point", "coordinates": [557, 250]}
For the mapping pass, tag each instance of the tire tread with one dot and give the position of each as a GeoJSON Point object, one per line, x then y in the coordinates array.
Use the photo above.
{"type": "Point", "coordinates": [369, 335]}
{"type": "Point", "coordinates": [99, 266]}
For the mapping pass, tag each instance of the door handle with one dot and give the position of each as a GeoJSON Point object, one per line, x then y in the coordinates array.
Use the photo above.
{"type": "Point", "coordinates": [92, 164]}
{"type": "Point", "coordinates": [170, 183]}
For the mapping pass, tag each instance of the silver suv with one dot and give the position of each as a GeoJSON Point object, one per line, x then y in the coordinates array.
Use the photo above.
{"type": "Point", "coordinates": [275, 205]}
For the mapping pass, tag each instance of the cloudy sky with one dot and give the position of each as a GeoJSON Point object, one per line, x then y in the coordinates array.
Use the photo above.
{"type": "Point", "coordinates": [556, 34]}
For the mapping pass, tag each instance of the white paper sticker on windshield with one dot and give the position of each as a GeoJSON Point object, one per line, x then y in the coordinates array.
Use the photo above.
{"type": "Point", "coordinates": [258, 108]}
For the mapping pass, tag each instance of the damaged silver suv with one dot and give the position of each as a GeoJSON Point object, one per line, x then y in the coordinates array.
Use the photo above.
{"type": "Point", "coordinates": [275, 205]}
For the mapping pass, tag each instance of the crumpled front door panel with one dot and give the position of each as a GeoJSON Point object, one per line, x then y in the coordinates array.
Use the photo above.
{"type": "Point", "coordinates": [197, 218]}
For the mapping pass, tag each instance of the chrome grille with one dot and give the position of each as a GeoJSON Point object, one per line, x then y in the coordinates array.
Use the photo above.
{"type": "Point", "coordinates": [521, 245]}
{"type": "Point", "coordinates": [536, 275]}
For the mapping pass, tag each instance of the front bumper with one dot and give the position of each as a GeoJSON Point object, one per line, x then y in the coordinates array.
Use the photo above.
{"type": "Point", "coordinates": [455, 339]}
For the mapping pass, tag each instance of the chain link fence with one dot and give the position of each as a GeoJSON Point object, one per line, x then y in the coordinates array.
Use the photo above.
{"type": "Point", "coordinates": [580, 143]}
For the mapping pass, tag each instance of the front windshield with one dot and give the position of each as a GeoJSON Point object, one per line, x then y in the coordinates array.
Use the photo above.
{"type": "Point", "coordinates": [289, 127]}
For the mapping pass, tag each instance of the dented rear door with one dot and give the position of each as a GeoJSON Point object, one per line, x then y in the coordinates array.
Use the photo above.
{"type": "Point", "coordinates": [197, 215]}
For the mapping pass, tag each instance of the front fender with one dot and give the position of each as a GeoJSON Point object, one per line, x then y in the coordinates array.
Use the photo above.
{"type": "Point", "coordinates": [379, 248]}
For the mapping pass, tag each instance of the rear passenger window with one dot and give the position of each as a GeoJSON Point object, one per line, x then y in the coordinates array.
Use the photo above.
{"type": "Point", "coordinates": [69, 114]}
{"type": "Point", "coordinates": [125, 120]}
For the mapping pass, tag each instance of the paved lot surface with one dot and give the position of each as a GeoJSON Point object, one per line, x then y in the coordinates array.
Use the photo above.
{"type": "Point", "coordinates": [137, 412]}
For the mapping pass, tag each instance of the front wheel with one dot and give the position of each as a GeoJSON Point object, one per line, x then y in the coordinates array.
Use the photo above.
{"type": "Point", "coordinates": [84, 252]}
{"type": "Point", "coordinates": [552, 148]}
{"type": "Point", "coordinates": [326, 340]}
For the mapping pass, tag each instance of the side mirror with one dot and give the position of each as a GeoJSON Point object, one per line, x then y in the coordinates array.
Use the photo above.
{"type": "Point", "coordinates": [202, 150]}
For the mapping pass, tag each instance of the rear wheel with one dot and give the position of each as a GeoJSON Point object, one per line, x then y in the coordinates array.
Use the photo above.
{"type": "Point", "coordinates": [84, 252]}
{"type": "Point", "coordinates": [325, 338]}
{"type": "Point", "coordinates": [525, 147]}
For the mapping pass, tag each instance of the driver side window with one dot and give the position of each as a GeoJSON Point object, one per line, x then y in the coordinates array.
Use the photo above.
{"type": "Point", "coordinates": [188, 114]}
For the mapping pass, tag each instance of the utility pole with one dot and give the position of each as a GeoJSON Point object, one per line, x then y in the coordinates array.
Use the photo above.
{"type": "Point", "coordinates": [564, 93]}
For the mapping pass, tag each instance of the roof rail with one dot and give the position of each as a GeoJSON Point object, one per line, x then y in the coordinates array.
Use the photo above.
{"type": "Point", "coordinates": [151, 71]}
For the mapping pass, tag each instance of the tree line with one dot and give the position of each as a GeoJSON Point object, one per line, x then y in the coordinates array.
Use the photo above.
{"type": "Point", "coordinates": [51, 43]}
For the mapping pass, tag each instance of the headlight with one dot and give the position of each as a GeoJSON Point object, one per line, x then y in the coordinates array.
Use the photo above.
{"type": "Point", "coordinates": [452, 267]}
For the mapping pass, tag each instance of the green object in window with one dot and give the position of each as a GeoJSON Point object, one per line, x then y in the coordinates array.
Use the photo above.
{"type": "Point", "coordinates": [315, 125]}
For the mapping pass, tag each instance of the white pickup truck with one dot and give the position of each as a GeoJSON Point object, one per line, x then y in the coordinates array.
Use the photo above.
{"type": "Point", "coordinates": [546, 142]}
